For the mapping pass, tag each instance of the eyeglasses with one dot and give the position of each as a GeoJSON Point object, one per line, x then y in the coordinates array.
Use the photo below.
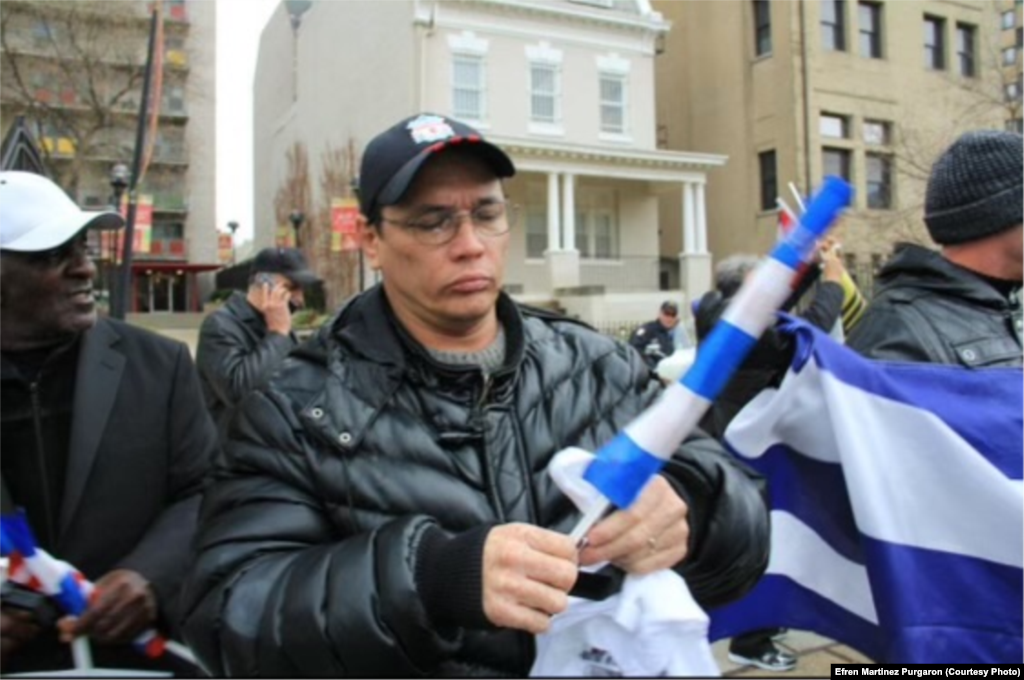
{"type": "Point", "coordinates": [54, 257]}
{"type": "Point", "coordinates": [437, 227]}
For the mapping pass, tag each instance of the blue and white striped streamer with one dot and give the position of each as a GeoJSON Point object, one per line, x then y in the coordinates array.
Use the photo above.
{"type": "Point", "coordinates": [622, 467]}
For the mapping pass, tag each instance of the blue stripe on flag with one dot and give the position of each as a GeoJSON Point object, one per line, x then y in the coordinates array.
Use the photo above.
{"type": "Point", "coordinates": [719, 356]}
{"type": "Point", "coordinates": [927, 600]}
{"type": "Point", "coordinates": [932, 635]}
{"type": "Point", "coordinates": [780, 601]}
{"type": "Point", "coordinates": [621, 469]}
{"type": "Point", "coordinates": [816, 493]}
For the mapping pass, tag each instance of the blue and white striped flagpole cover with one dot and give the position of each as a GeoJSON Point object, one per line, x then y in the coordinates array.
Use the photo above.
{"type": "Point", "coordinates": [622, 467]}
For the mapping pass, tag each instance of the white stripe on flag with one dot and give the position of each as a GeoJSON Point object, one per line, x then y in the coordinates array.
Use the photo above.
{"type": "Point", "coordinates": [923, 468]}
{"type": "Point", "coordinates": [800, 554]}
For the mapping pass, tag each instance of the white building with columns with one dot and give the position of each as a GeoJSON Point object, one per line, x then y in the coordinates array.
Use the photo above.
{"type": "Point", "coordinates": [609, 225]}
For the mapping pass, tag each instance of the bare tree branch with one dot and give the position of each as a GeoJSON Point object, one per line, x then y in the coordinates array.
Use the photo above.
{"type": "Point", "coordinates": [88, 52]}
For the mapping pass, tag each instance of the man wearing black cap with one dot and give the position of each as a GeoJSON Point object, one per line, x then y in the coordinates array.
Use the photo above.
{"type": "Point", "coordinates": [384, 508]}
{"type": "Point", "coordinates": [961, 305]}
{"type": "Point", "coordinates": [105, 440]}
{"type": "Point", "coordinates": [654, 340]}
{"type": "Point", "coordinates": [244, 342]}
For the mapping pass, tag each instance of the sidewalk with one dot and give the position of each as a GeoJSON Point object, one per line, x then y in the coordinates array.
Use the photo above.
{"type": "Point", "coordinates": [815, 656]}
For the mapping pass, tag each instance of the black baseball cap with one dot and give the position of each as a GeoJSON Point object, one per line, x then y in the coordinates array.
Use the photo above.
{"type": "Point", "coordinates": [670, 308]}
{"type": "Point", "coordinates": [392, 158]}
{"type": "Point", "coordinates": [288, 262]}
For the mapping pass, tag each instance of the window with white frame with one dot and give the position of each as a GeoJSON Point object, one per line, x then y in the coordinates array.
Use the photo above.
{"type": "Point", "coordinates": [469, 76]}
{"type": "Point", "coordinates": [877, 132]}
{"type": "Point", "coordinates": [468, 88]}
{"type": "Point", "coordinates": [597, 225]}
{"type": "Point", "coordinates": [613, 103]}
{"type": "Point", "coordinates": [536, 233]}
{"type": "Point", "coordinates": [545, 93]}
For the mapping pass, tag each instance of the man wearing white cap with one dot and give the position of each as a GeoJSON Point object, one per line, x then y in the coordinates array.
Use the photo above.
{"type": "Point", "coordinates": [106, 440]}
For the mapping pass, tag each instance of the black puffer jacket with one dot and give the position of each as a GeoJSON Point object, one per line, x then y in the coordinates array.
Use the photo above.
{"type": "Point", "coordinates": [927, 309]}
{"type": "Point", "coordinates": [236, 354]}
{"type": "Point", "coordinates": [308, 540]}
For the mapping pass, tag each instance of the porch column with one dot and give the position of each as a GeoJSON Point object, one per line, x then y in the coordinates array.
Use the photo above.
{"type": "Point", "coordinates": [569, 210]}
{"type": "Point", "coordinates": [554, 226]}
{"type": "Point", "coordinates": [689, 219]}
{"type": "Point", "coordinates": [694, 261]}
{"type": "Point", "coordinates": [702, 220]}
{"type": "Point", "coordinates": [564, 264]}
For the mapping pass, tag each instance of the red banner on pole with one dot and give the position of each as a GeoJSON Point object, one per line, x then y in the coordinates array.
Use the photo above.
{"type": "Point", "coordinates": [344, 215]}
{"type": "Point", "coordinates": [143, 234]}
{"type": "Point", "coordinates": [225, 247]}
{"type": "Point", "coordinates": [285, 237]}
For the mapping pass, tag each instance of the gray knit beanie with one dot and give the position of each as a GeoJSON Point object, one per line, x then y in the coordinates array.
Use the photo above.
{"type": "Point", "coordinates": [976, 187]}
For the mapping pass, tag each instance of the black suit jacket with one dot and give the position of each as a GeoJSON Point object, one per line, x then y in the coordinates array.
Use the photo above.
{"type": "Point", "coordinates": [141, 445]}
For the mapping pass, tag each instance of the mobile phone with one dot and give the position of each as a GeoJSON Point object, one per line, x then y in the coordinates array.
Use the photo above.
{"type": "Point", "coordinates": [265, 280]}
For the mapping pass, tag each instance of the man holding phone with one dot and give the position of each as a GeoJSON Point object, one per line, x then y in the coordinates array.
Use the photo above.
{"type": "Point", "coordinates": [244, 342]}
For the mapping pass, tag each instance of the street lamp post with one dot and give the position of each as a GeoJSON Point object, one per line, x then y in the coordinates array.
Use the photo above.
{"type": "Point", "coordinates": [296, 217]}
{"type": "Point", "coordinates": [233, 227]}
{"type": "Point", "coordinates": [354, 187]}
{"type": "Point", "coordinates": [119, 175]}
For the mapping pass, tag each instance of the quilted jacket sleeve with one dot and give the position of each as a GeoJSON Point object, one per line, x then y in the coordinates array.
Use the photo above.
{"type": "Point", "coordinates": [277, 591]}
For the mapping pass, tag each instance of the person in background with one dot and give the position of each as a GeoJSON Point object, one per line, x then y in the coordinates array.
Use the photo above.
{"type": "Point", "coordinates": [655, 340]}
{"type": "Point", "coordinates": [105, 440]}
{"type": "Point", "coordinates": [767, 362]}
{"type": "Point", "coordinates": [962, 304]}
{"type": "Point", "coordinates": [245, 342]}
{"type": "Point", "coordinates": [384, 507]}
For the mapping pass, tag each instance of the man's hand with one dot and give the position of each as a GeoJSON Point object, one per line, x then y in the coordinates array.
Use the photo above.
{"type": "Point", "coordinates": [16, 629]}
{"type": "Point", "coordinates": [831, 264]}
{"type": "Point", "coordinates": [527, 572]}
{"type": "Point", "coordinates": [124, 607]}
{"type": "Point", "coordinates": [274, 307]}
{"type": "Point", "coordinates": [651, 535]}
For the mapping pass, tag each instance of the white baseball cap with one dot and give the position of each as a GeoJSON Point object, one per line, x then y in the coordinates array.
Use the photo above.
{"type": "Point", "coordinates": [36, 214]}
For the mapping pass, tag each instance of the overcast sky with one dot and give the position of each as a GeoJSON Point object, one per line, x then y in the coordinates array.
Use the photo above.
{"type": "Point", "coordinates": [239, 23]}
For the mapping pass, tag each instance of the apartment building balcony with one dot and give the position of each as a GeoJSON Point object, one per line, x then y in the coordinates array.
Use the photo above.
{"type": "Point", "coordinates": [175, 12]}
{"type": "Point", "coordinates": [165, 249]}
{"type": "Point", "coordinates": [173, 153]}
{"type": "Point", "coordinates": [169, 202]}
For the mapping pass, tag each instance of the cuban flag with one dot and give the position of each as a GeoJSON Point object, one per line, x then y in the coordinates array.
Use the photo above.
{"type": "Point", "coordinates": [897, 506]}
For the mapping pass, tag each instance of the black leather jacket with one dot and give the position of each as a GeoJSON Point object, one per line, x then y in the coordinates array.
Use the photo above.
{"type": "Point", "coordinates": [309, 537]}
{"type": "Point", "coordinates": [927, 309]}
{"type": "Point", "coordinates": [653, 341]}
{"type": "Point", "coordinates": [236, 355]}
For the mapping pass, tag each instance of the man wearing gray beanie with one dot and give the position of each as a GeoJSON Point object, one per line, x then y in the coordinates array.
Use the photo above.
{"type": "Point", "coordinates": [960, 305]}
